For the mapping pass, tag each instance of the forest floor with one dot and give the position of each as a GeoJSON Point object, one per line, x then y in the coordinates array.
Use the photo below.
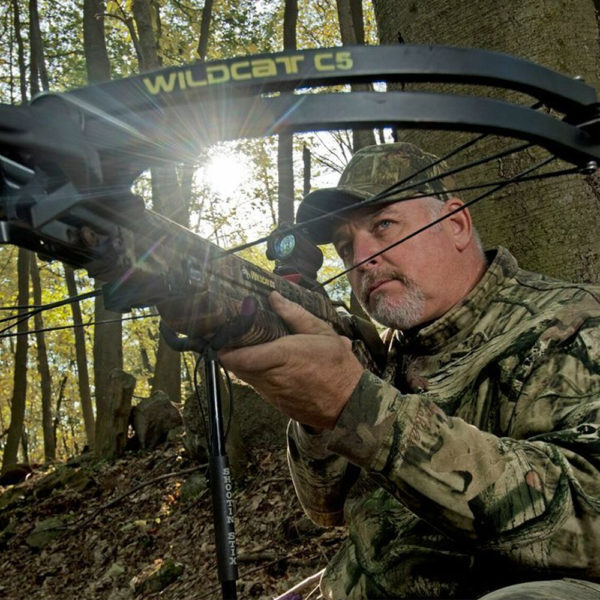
{"type": "Point", "coordinates": [141, 527]}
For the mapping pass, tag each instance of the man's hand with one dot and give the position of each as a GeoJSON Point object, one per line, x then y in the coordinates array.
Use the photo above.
{"type": "Point", "coordinates": [308, 376]}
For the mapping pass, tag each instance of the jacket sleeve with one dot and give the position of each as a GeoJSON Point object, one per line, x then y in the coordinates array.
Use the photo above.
{"type": "Point", "coordinates": [322, 479]}
{"type": "Point", "coordinates": [533, 495]}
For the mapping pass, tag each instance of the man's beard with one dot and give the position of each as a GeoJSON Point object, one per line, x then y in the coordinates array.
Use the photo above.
{"type": "Point", "coordinates": [397, 313]}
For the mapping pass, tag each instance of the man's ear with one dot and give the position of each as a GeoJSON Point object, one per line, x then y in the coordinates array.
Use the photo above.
{"type": "Point", "coordinates": [459, 225]}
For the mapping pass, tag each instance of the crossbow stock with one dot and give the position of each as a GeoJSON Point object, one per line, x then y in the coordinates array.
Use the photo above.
{"type": "Point", "coordinates": [68, 162]}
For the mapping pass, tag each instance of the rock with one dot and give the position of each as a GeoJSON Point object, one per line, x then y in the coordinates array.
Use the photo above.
{"type": "Point", "coordinates": [153, 418]}
{"type": "Point", "coordinates": [260, 423]}
{"type": "Point", "coordinates": [75, 479]}
{"type": "Point", "coordinates": [176, 434]}
{"type": "Point", "coordinates": [115, 571]}
{"type": "Point", "coordinates": [45, 532]}
{"type": "Point", "coordinates": [45, 486]}
{"type": "Point", "coordinates": [157, 577]}
{"type": "Point", "coordinates": [194, 440]}
{"type": "Point", "coordinates": [254, 423]}
{"type": "Point", "coordinates": [167, 574]}
{"type": "Point", "coordinates": [78, 480]}
{"type": "Point", "coordinates": [8, 532]}
{"type": "Point", "coordinates": [12, 497]}
{"type": "Point", "coordinates": [193, 486]}
{"type": "Point", "coordinates": [15, 474]}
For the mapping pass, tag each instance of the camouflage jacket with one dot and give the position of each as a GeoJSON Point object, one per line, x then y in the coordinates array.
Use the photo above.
{"type": "Point", "coordinates": [473, 463]}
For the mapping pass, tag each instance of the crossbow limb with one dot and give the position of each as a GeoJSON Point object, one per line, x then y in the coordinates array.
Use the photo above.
{"type": "Point", "coordinates": [65, 154]}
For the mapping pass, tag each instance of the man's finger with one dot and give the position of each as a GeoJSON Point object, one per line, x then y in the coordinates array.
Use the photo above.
{"type": "Point", "coordinates": [297, 318]}
{"type": "Point", "coordinates": [253, 358]}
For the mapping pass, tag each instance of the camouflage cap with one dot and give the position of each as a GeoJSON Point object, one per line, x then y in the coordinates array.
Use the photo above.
{"type": "Point", "coordinates": [370, 171]}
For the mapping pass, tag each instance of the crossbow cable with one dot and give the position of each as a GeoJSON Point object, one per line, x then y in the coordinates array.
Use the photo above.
{"type": "Point", "coordinates": [68, 161]}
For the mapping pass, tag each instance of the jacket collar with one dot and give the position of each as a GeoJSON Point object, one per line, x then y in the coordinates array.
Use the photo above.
{"type": "Point", "coordinates": [461, 318]}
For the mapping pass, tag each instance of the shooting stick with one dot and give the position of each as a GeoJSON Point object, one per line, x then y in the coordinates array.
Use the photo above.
{"type": "Point", "coordinates": [220, 481]}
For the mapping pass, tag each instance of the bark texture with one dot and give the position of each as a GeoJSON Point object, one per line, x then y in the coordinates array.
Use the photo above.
{"type": "Point", "coordinates": [17, 28]}
{"type": "Point", "coordinates": [550, 226]}
{"type": "Point", "coordinates": [352, 31]}
{"type": "Point", "coordinates": [285, 147]}
{"type": "Point", "coordinates": [108, 348]}
{"type": "Point", "coordinates": [94, 46]}
{"type": "Point", "coordinates": [15, 433]}
{"type": "Point", "coordinates": [83, 377]}
{"type": "Point", "coordinates": [112, 423]}
{"type": "Point", "coordinates": [37, 65]}
{"type": "Point", "coordinates": [43, 368]}
{"type": "Point", "coordinates": [205, 29]}
{"type": "Point", "coordinates": [166, 198]}
{"type": "Point", "coordinates": [142, 13]}
{"type": "Point", "coordinates": [17, 404]}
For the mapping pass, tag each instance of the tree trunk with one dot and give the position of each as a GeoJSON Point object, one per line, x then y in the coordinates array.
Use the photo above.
{"type": "Point", "coordinates": [17, 404]}
{"type": "Point", "coordinates": [167, 200]}
{"type": "Point", "coordinates": [550, 226]}
{"type": "Point", "coordinates": [306, 176]}
{"type": "Point", "coordinates": [38, 73]}
{"type": "Point", "coordinates": [108, 353]}
{"type": "Point", "coordinates": [285, 146]}
{"type": "Point", "coordinates": [205, 29]}
{"type": "Point", "coordinates": [25, 446]}
{"type": "Point", "coordinates": [112, 423]}
{"type": "Point", "coordinates": [16, 432]}
{"type": "Point", "coordinates": [142, 14]}
{"type": "Point", "coordinates": [167, 372]}
{"type": "Point", "coordinates": [352, 31]}
{"type": "Point", "coordinates": [59, 399]}
{"type": "Point", "coordinates": [94, 47]}
{"type": "Point", "coordinates": [108, 347]}
{"type": "Point", "coordinates": [20, 50]}
{"type": "Point", "coordinates": [83, 377]}
{"type": "Point", "coordinates": [43, 368]}
{"type": "Point", "coordinates": [285, 170]}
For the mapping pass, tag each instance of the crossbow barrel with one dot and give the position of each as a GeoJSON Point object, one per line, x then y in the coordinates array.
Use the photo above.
{"type": "Point", "coordinates": [68, 161]}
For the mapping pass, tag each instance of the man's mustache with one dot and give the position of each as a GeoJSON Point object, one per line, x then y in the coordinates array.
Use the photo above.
{"type": "Point", "coordinates": [371, 278]}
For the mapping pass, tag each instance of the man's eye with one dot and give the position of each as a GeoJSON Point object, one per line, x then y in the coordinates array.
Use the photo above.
{"type": "Point", "coordinates": [383, 224]}
{"type": "Point", "coordinates": [344, 251]}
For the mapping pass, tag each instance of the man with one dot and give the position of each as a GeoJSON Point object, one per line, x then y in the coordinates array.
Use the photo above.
{"type": "Point", "coordinates": [471, 463]}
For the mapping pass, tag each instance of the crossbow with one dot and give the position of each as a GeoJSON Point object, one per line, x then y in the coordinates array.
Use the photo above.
{"type": "Point", "coordinates": [68, 162]}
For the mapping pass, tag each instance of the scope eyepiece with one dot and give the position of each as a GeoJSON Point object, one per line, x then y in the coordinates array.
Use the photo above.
{"type": "Point", "coordinates": [294, 252]}
{"type": "Point", "coordinates": [283, 247]}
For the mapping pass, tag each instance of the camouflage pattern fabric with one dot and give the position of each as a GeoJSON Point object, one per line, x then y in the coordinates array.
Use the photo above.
{"type": "Point", "coordinates": [555, 589]}
{"type": "Point", "coordinates": [371, 171]}
{"type": "Point", "coordinates": [375, 168]}
{"type": "Point", "coordinates": [473, 464]}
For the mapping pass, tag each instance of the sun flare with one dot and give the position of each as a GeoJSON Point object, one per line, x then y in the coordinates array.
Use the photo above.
{"type": "Point", "coordinates": [225, 173]}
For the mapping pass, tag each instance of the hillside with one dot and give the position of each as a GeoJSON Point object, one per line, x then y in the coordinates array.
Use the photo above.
{"type": "Point", "coordinates": [141, 527]}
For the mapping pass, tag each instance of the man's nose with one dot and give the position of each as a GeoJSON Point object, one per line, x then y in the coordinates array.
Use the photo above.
{"type": "Point", "coordinates": [364, 249]}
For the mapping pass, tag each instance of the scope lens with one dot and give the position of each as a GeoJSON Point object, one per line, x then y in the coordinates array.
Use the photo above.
{"type": "Point", "coordinates": [285, 246]}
